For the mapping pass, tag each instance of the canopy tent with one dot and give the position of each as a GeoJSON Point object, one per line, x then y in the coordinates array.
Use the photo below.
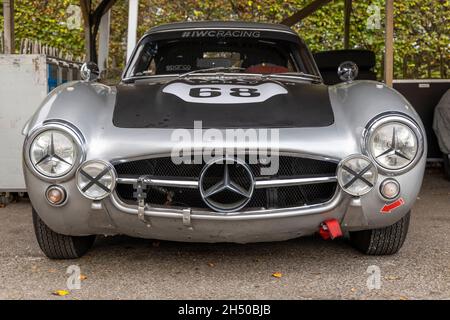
{"type": "Point", "coordinates": [389, 31]}
{"type": "Point", "coordinates": [97, 20]}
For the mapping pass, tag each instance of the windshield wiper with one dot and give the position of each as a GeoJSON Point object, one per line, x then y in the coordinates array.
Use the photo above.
{"type": "Point", "coordinates": [211, 69]}
{"type": "Point", "coordinates": [293, 74]}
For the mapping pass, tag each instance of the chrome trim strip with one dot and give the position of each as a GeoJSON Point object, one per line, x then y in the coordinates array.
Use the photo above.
{"type": "Point", "coordinates": [259, 184]}
{"type": "Point", "coordinates": [421, 80]}
{"type": "Point", "coordinates": [339, 200]}
{"type": "Point", "coordinates": [270, 183]}
{"type": "Point", "coordinates": [190, 184]}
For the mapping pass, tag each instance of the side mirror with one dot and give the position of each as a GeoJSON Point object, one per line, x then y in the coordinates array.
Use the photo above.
{"type": "Point", "coordinates": [89, 71]}
{"type": "Point", "coordinates": [348, 71]}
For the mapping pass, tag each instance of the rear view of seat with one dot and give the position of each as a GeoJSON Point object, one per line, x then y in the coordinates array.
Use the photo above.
{"type": "Point", "coordinates": [329, 61]}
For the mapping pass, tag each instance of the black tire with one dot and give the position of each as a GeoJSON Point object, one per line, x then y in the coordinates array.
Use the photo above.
{"type": "Point", "coordinates": [385, 241]}
{"type": "Point", "coordinates": [446, 166]}
{"type": "Point", "coordinates": [59, 246]}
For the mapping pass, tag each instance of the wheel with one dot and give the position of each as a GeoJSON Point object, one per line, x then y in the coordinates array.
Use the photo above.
{"type": "Point", "coordinates": [446, 166]}
{"type": "Point", "coordinates": [384, 241]}
{"type": "Point", "coordinates": [59, 246]}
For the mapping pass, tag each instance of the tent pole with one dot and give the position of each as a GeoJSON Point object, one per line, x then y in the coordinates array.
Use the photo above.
{"type": "Point", "coordinates": [8, 14]}
{"type": "Point", "coordinates": [347, 16]}
{"type": "Point", "coordinates": [132, 26]}
{"type": "Point", "coordinates": [103, 42]}
{"type": "Point", "coordinates": [389, 44]}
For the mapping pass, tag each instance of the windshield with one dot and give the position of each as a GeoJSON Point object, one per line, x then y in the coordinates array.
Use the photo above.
{"type": "Point", "coordinates": [243, 55]}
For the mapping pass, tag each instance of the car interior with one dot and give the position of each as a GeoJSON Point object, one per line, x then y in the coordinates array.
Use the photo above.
{"type": "Point", "coordinates": [173, 57]}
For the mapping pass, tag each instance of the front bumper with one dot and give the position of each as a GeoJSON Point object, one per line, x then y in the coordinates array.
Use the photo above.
{"type": "Point", "coordinates": [240, 227]}
{"type": "Point", "coordinates": [111, 216]}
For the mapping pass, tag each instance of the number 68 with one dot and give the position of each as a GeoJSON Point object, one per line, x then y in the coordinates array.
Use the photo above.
{"type": "Point", "coordinates": [210, 92]}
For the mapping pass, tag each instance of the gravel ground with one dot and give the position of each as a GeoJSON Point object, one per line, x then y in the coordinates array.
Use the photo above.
{"type": "Point", "coordinates": [126, 268]}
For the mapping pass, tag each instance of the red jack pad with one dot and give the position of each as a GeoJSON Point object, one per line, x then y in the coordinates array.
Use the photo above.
{"type": "Point", "coordinates": [330, 229]}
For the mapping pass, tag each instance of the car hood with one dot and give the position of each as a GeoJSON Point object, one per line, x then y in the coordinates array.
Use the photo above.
{"type": "Point", "coordinates": [219, 103]}
{"type": "Point", "coordinates": [90, 108]}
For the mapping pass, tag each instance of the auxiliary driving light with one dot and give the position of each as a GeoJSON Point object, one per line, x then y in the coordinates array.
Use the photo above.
{"type": "Point", "coordinates": [56, 195]}
{"type": "Point", "coordinates": [357, 175]}
{"type": "Point", "coordinates": [96, 179]}
{"type": "Point", "coordinates": [390, 189]}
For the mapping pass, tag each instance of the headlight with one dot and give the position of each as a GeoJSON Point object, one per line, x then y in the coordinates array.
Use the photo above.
{"type": "Point", "coordinates": [357, 175]}
{"type": "Point", "coordinates": [54, 151]}
{"type": "Point", "coordinates": [96, 179]}
{"type": "Point", "coordinates": [394, 142]}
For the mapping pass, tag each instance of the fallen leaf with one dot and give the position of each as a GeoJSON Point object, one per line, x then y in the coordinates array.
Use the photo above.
{"type": "Point", "coordinates": [277, 274]}
{"type": "Point", "coordinates": [83, 277]}
{"type": "Point", "coordinates": [61, 293]}
{"type": "Point", "coordinates": [52, 270]}
{"type": "Point", "coordinates": [212, 265]}
{"type": "Point", "coordinates": [353, 289]}
{"type": "Point", "coordinates": [403, 298]}
{"type": "Point", "coordinates": [392, 278]}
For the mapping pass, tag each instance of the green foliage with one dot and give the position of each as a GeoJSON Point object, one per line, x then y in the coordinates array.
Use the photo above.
{"type": "Point", "coordinates": [46, 21]}
{"type": "Point", "coordinates": [422, 47]}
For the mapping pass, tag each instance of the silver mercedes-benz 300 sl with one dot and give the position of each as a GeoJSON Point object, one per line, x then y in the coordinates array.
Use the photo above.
{"type": "Point", "coordinates": [223, 132]}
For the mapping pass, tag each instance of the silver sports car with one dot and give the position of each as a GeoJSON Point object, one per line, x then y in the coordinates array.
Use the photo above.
{"type": "Point", "coordinates": [223, 132]}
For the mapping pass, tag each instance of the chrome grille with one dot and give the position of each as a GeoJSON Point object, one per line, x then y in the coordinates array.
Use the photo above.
{"type": "Point", "coordinates": [264, 198]}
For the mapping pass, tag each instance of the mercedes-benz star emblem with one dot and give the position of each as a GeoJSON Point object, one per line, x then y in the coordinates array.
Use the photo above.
{"type": "Point", "coordinates": [51, 153]}
{"type": "Point", "coordinates": [226, 185]}
{"type": "Point", "coordinates": [393, 148]}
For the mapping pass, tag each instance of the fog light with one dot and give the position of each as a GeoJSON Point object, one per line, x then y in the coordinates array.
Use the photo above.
{"type": "Point", "coordinates": [55, 195]}
{"type": "Point", "coordinates": [96, 179]}
{"type": "Point", "coordinates": [390, 189]}
{"type": "Point", "coordinates": [357, 175]}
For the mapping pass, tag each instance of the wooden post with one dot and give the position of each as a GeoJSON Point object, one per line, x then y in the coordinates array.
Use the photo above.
{"type": "Point", "coordinates": [304, 12]}
{"type": "Point", "coordinates": [389, 44]}
{"type": "Point", "coordinates": [347, 17]}
{"type": "Point", "coordinates": [8, 15]}
{"type": "Point", "coordinates": [92, 19]}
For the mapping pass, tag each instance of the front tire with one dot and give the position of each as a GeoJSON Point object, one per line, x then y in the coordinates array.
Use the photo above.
{"type": "Point", "coordinates": [59, 246]}
{"type": "Point", "coordinates": [446, 166]}
{"type": "Point", "coordinates": [384, 241]}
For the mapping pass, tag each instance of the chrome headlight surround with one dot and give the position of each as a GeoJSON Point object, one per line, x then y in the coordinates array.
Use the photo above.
{"type": "Point", "coordinates": [68, 131]}
{"type": "Point", "coordinates": [387, 119]}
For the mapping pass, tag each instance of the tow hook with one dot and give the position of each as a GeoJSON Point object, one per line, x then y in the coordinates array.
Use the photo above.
{"type": "Point", "coordinates": [330, 229]}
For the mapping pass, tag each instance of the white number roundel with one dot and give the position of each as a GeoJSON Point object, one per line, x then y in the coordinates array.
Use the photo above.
{"type": "Point", "coordinates": [224, 93]}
